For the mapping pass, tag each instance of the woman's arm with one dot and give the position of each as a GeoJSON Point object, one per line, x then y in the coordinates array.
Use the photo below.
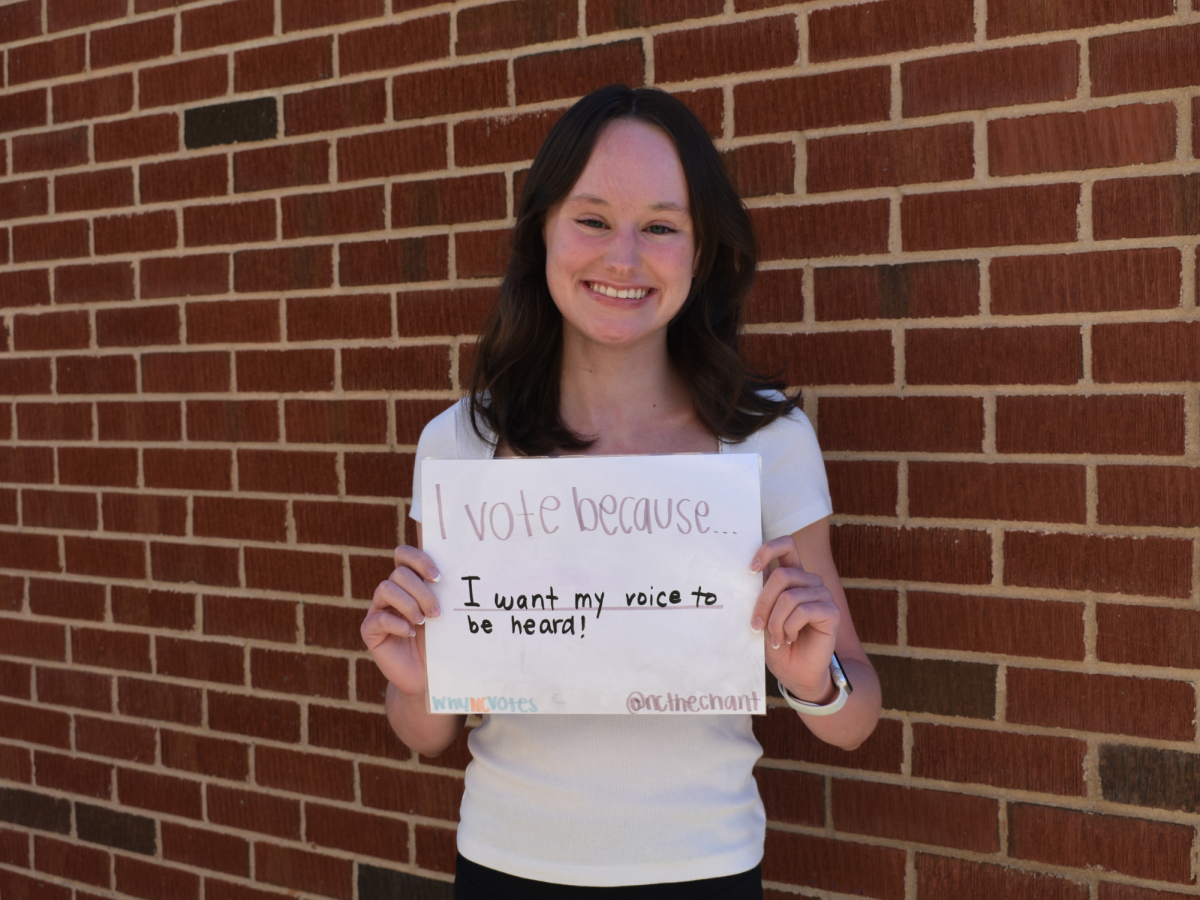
{"type": "Point", "coordinates": [804, 612]}
{"type": "Point", "coordinates": [394, 632]}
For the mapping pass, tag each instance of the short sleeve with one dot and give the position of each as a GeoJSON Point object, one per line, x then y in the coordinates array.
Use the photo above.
{"type": "Point", "coordinates": [439, 440]}
{"type": "Point", "coordinates": [795, 491]}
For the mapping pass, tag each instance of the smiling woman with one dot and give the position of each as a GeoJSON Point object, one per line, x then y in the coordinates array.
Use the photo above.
{"type": "Point", "coordinates": [616, 332]}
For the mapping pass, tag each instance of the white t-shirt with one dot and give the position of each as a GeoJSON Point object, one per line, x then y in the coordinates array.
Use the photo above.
{"type": "Point", "coordinates": [620, 800]}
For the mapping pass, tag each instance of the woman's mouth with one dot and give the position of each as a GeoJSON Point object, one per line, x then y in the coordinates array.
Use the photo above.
{"type": "Point", "coordinates": [618, 293]}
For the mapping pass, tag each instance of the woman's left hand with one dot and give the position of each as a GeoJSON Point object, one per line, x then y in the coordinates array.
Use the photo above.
{"type": "Point", "coordinates": [801, 619]}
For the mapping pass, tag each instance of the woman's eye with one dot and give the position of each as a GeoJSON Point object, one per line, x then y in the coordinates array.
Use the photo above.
{"type": "Point", "coordinates": [661, 229]}
{"type": "Point", "coordinates": [591, 223]}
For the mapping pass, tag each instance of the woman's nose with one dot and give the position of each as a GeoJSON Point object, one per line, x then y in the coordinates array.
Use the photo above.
{"type": "Point", "coordinates": [622, 251]}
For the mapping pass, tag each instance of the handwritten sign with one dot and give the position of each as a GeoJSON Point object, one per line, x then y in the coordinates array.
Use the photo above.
{"type": "Point", "coordinates": [594, 585]}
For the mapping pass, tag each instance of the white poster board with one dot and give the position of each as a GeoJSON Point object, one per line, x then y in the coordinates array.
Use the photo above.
{"type": "Point", "coordinates": [594, 585]}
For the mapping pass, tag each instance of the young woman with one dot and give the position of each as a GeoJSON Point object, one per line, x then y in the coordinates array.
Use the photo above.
{"type": "Point", "coordinates": [616, 333]}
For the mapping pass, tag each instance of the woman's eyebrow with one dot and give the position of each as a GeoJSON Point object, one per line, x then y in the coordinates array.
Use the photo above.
{"type": "Point", "coordinates": [662, 204]}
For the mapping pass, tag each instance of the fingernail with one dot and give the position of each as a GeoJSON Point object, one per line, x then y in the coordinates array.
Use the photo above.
{"type": "Point", "coordinates": [421, 621]}
{"type": "Point", "coordinates": [436, 611]}
{"type": "Point", "coordinates": [757, 624]}
{"type": "Point", "coordinates": [774, 644]}
{"type": "Point", "coordinates": [755, 566]}
{"type": "Point", "coordinates": [435, 576]}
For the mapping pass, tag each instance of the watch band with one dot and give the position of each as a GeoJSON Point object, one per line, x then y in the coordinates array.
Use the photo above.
{"type": "Point", "coordinates": [815, 709]}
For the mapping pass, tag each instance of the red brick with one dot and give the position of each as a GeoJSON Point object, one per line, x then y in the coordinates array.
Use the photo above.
{"type": "Point", "coordinates": [183, 82]}
{"type": "Point", "coordinates": [450, 90]}
{"type": "Point", "coordinates": [356, 732]}
{"type": "Point", "coordinates": [206, 849]}
{"type": "Point", "coordinates": [54, 421]}
{"type": "Point", "coordinates": [199, 660]}
{"type": "Point", "coordinates": [999, 625]}
{"type": "Point", "coordinates": [819, 230]}
{"type": "Point", "coordinates": [396, 368]}
{"type": "Point", "coordinates": [111, 649]}
{"type": "Point", "coordinates": [275, 720]}
{"type": "Point", "coordinates": [299, 673]}
{"type": "Point", "coordinates": [927, 817]}
{"type": "Point", "coordinates": [480, 142]}
{"type": "Point", "coordinates": [50, 240]}
{"type": "Point", "coordinates": [482, 254]}
{"type": "Point", "coordinates": [32, 640]}
{"type": "Point", "coordinates": [758, 170]}
{"type": "Point", "coordinates": [302, 870]}
{"type": "Point", "coordinates": [93, 190]}
{"type": "Point", "coordinates": [813, 101]}
{"type": "Point", "coordinates": [908, 290]}
{"type": "Point", "coordinates": [1011, 17]}
{"type": "Point", "coordinates": [936, 424]}
{"type": "Point", "coordinates": [333, 212]}
{"type": "Point", "coordinates": [1000, 759]}
{"type": "Point", "coordinates": [617, 15]}
{"type": "Point", "coordinates": [367, 571]}
{"type": "Point", "coordinates": [34, 725]}
{"type": "Point", "coordinates": [161, 793]}
{"type": "Point", "coordinates": [185, 372]}
{"type": "Point", "coordinates": [422, 794]}
{"type": "Point", "coordinates": [336, 627]}
{"type": "Point", "coordinates": [1009, 76]}
{"type": "Point", "coordinates": [1106, 424]}
{"type": "Point", "coordinates": [136, 233]}
{"type": "Point", "coordinates": [26, 464]}
{"type": "Point", "coordinates": [889, 158]}
{"type": "Point", "coordinates": [240, 321]}
{"type": "Point", "coordinates": [287, 472]}
{"type": "Point", "coordinates": [994, 356]}
{"type": "Point", "coordinates": [412, 416]}
{"type": "Point", "coordinates": [792, 797]}
{"type": "Point", "coordinates": [1145, 60]}
{"type": "Point", "coordinates": [143, 136]}
{"type": "Point", "coordinates": [188, 469]}
{"type": "Point", "coordinates": [371, 687]}
{"type": "Point", "coordinates": [155, 700]}
{"type": "Point", "coordinates": [251, 617]}
{"type": "Point", "coordinates": [572, 73]}
{"type": "Point", "coordinates": [21, 199]}
{"type": "Point", "coordinates": [304, 773]}
{"type": "Point", "coordinates": [47, 59]}
{"type": "Point", "coordinates": [294, 571]}
{"type": "Point", "coordinates": [151, 881]}
{"type": "Point", "coordinates": [204, 565]}
{"type": "Point", "coordinates": [17, 765]}
{"type": "Point", "coordinates": [229, 223]}
{"type": "Point", "coordinates": [27, 288]}
{"type": "Point", "coordinates": [1151, 351]}
{"type": "Point", "coordinates": [1102, 703]}
{"type": "Point", "coordinates": [825, 863]}
{"type": "Point", "coordinates": [14, 845]}
{"type": "Point", "coordinates": [51, 331]}
{"type": "Point", "coordinates": [449, 201]}
{"type": "Point", "coordinates": [344, 829]}
{"type": "Point", "coordinates": [1147, 636]}
{"type": "Point", "coordinates": [949, 555]}
{"type": "Point", "coordinates": [336, 421]}
{"type": "Point", "coordinates": [67, 599]}
{"type": "Point", "coordinates": [227, 23]}
{"type": "Point", "coordinates": [349, 524]}
{"type": "Point", "coordinates": [184, 179]}
{"type": "Point", "coordinates": [288, 165]}
{"type": "Point", "coordinates": [435, 848]}
{"type": "Point", "coordinates": [205, 755]}
{"type": "Point", "coordinates": [23, 887]}
{"type": "Point", "coordinates": [784, 736]}
{"type": "Point", "coordinates": [999, 217]}
{"type": "Point", "coordinates": [153, 609]}
{"type": "Point", "coordinates": [1028, 493]}
{"type": "Point", "coordinates": [1119, 136]}
{"type": "Point", "coordinates": [1110, 281]}
{"type": "Point", "coordinates": [24, 110]}
{"type": "Point", "coordinates": [514, 24]}
{"type": "Point", "coordinates": [135, 42]}
{"type": "Point", "coordinates": [145, 514]}
{"type": "Point", "coordinates": [865, 488]}
{"type": "Point", "coordinates": [941, 876]}
{"type": "Point", "coordinates": [873, 29]}
{"type": "Point", "coordinates": [233, 421]}
{"type": "Point", "coordinates": [281, 64]}
{"type": "Point", "coordinates": [16, 680]}
{"type": "Point", "coordinates": [85, 690]}
{"type": "Point", "coordinates": [239, 517]}
{"type": "Point", "coordinates": [398, 152]}
{"type": "Point", "coordinates": [283, 269]}
{"type": "Point", "coordinates": [138, 327]}
{"type": "Point", "coordinates": [1085, 840]}
{"type": "Point", "coordinates": [396, 261]}
{"type": "Point", "coordinates": [393, 46]}
{"type": "Point", "coordinates": [823, 358]}
{"type": "Point", "coordinates": [1149, 495]}
{"type": "Point", "coordinates": [94, 98]}
{"type": "Point", "coordinates": [64, 14]}
{"type": "Point", "coordinates": [332, 108]}
{"type": "Point", "coordinates": [285, 370]}
{"type": "Point", "coordinates": [302, 14]}
{"type": "Point", "coordinates": [185, 276]}
{"type": "Point", "coordinates": [20, 20]}
{"type": "Point", "coordinates": [97, 466]}
{"type": "Point", "coordinates": [1152, 566]}
{"type": "Point", "coordinates": [67, 859]}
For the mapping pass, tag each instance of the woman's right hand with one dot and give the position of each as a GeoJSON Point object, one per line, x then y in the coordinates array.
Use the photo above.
{"type": "Point", "coordinates": [394, 629]}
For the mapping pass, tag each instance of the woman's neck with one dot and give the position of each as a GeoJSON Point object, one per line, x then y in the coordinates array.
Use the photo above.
{"type": "Point", "coordinates": [630, 399]}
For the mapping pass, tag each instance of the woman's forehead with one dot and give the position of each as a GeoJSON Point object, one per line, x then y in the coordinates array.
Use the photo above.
{"type": "Point", "coordinates": [632, 159]}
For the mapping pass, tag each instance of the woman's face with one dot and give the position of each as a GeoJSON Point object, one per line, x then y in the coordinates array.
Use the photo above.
{"type": "Point", "coordinates": [620, 249]}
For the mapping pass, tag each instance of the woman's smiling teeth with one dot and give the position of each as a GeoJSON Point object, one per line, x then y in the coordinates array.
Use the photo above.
{"type": "Point", "coordinates": [630, 294]}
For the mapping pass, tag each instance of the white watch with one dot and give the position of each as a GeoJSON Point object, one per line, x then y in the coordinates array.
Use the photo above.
{"type": "Point", "coordinates": [815, 709]}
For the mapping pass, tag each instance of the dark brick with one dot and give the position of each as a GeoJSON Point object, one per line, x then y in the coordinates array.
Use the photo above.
{"type": "Point", "coordinates": [294, 571]}
{"type": "Point", "coordinates": [909, 290]}
{"type": "Point", "coordinates": [115, 829]}
{"type": "Point", "coordinates": [941, 687]}
{"type": "Point", "coordinates": [231, 123]}
{"type": "Point", "coordinates": [98, 466]}
{"type": "Point", "coordinates": [33, 810]}
{"type": "Point", "coordinates": [51, 331]}
{"type": "Point", "coordinates": [412, 416]}
{"type": "Point", "coordinates": [784, 736]}
{"type": "Point", "coordinates": [375, 883]}
{"type": "Point", "coordinates": [54, 421]}
{"type": "Point", "coordinates": [34, 725]}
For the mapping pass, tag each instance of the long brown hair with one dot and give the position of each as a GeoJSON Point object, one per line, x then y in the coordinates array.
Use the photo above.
{"type": "Point", "coordinates": [515, 385]}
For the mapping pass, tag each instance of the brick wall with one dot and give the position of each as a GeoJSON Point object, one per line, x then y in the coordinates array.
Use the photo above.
{"type": "Point", "coordinates": [245, 245]}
